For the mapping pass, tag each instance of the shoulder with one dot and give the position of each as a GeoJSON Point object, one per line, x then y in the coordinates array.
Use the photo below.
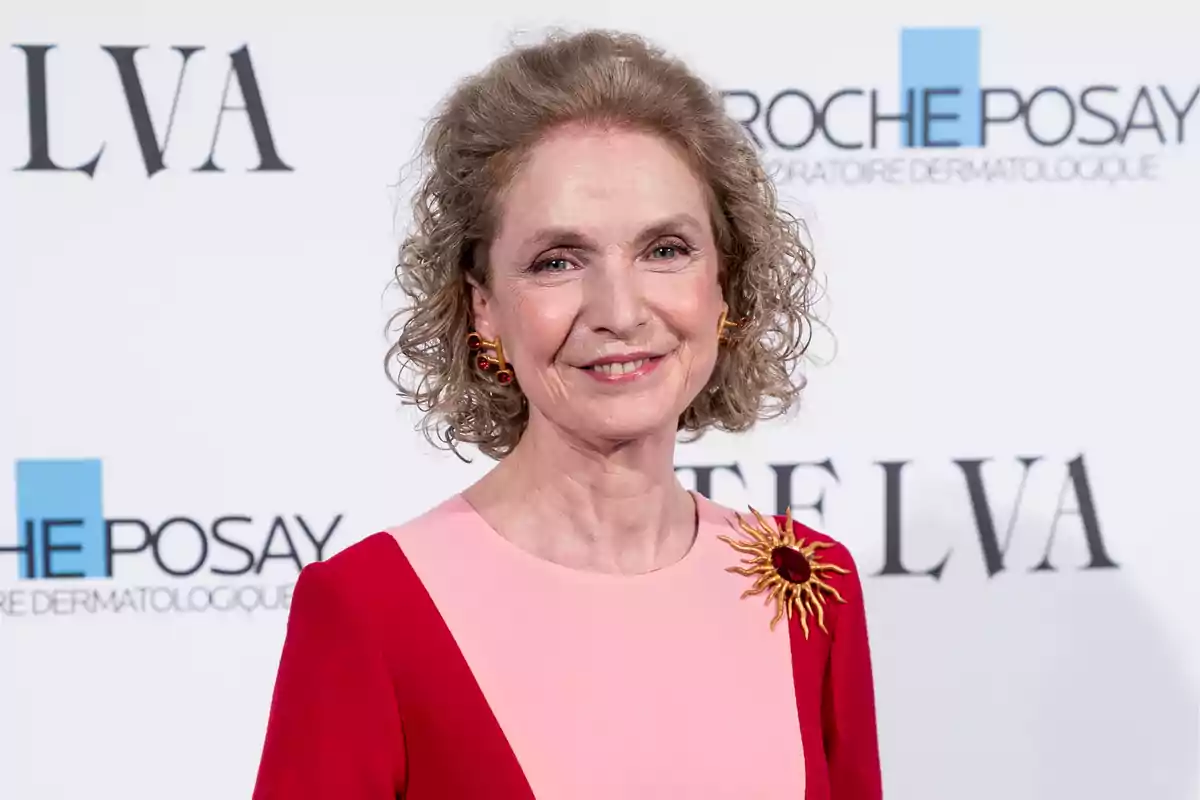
{"type": "Point", "coordinates": [825, 547]}
{"type": "Point", "coordinates": [357, 562]}
{"type": "Point", "coordinates": [350, 581]}
{"type": "Point", "coordinates": [833, 550]}
{"type": "Point", "coordinates": [835, 577]}
{"type": "Point", "coordinates": [840, 570]}
{"type": "Point", "coordinates": [437, 523]}
{"type": "Point", "coordinates": [370, 576]}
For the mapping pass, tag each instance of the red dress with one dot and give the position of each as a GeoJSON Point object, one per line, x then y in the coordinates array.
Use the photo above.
{"type": "Point", "coordinates": [440, 661]}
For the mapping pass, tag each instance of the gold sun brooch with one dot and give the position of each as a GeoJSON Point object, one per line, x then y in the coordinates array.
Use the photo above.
{"type": "Point", "coordinates": [787, 570]}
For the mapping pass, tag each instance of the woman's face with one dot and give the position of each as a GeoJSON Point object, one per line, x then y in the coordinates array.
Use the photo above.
{"type": "Point", "coordinates": [603, 284]}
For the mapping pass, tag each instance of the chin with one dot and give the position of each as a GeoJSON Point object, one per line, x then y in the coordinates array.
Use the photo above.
{"type": "Point", "coordinates": [629, 424]}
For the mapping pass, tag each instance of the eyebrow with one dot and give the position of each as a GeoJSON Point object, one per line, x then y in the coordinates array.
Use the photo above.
{"type": "Point", "coordinates": [570, 237]}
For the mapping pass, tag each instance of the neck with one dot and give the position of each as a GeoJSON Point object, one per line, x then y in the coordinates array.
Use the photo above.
{"type": "Point", "coordinates": [612, 507]}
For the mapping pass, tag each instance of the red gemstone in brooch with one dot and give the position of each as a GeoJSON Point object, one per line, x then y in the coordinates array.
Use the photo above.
{"type": "Point", "coordinates": [787, 570]}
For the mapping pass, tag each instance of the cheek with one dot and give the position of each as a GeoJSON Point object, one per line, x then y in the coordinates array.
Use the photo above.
{"type": "Point", "coordinates": [694, 310]}
{"type": "Point", "coordinates": [538, 323]}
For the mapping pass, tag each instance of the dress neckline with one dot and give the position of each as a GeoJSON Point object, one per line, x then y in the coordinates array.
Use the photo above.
{"type": "Point", "coordinates": [708, 517]}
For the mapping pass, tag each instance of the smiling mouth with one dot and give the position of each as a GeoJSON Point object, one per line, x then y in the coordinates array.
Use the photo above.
{"type": "Point", "coordinates": [621, 367]}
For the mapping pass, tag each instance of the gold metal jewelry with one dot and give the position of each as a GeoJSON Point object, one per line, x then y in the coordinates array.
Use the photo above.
{"type": "Point", "coordinates": [723, 324]}
{"type": "Point", "coordinates": [787, 570]}
{"type": "Point", "coordinates": [486, 362]}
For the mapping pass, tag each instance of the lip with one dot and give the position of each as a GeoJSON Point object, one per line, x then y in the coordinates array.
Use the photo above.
{"type": "Point", "coordinates": [648, 363]}
{"type": "Point", "coordinates": [621, 359]}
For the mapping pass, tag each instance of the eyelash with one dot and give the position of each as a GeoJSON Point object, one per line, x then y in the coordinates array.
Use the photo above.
{"type": "Point", "coordinates": [677, 245]}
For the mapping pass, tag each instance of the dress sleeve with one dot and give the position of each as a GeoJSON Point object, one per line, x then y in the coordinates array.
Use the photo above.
{"type": "Point", "coordinates": [848, 705]}
{"type": "Point", "coordinates": [334, 728]}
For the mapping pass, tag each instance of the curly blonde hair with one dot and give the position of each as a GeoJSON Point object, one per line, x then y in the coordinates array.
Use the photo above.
{"type": "Point", "coordinates": [472, 148]}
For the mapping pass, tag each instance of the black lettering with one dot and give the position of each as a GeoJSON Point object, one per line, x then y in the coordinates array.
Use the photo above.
{"type": "Point", "coordinates": [825, 126]}
{"type": "Point", "coordinates": [39, 117]}
{"type": "Point", "coordinates": [906, 117]}
{"type": "Point", "coordinates": [783, 487]}
{"type": "Point", "coordinates": [319, 544]}
{"type": "Point", "coordinates": [986, 118]}
{"type": "Point", "coordinates": [157, 540]}
{"type": "Point", "coordinates": [25, 548]}
{"type": "Point", "coordinates": [704, 475]}
{"type": "Point", "coordinates": [256, 112]}
{"type": "Point", "coordinates": [928, 117]}
{"type": "Point", "coordinates": [989, 542]}
{"type": "Point", "coordinates": [1143, 99]}
{"type": "Point", "coordinates": [139, 111]}
{"type": "Point", "coordinates": [746, 122]}
{"type": "Point", "coordinates": [1110, 122]}
{"type": "Point", "coordinates": [49, 547]}
{"type": "Point", "coordinates": [1180, 114]}
{"type": "Point", "coordinates": [280, 527]}
{"type": "Point", "coordinates": [892, 562]}
{"type": "Point", "coordinates": [812, 112]}
{"type": "Point", "coordinates": [1028, 115]}
{"type": "Point", "coordinates": [112, 550]}
{"type": "Point", "coordinates": [245, 551]}
{"type": "Point", "coordinates": [1077, 479]}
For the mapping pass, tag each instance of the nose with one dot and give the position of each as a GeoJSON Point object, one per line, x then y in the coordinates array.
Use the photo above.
{"type": "Point", "coordinates": [615, 301]}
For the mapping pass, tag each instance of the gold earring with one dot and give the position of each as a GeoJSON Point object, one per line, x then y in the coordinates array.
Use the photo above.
{"type": "Point", "coordinates": [723, 324]}
{"type": "Point", "coordinates": [485, 362]}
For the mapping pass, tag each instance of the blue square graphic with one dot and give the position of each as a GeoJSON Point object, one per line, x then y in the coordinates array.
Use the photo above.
{"type": "Point", "coordinates": [60, 519]}
{"type": "Point", "coordinates": [933, 60]}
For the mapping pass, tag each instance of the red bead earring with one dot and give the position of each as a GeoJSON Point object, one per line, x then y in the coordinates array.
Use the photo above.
{"type": "Point", "coordinates": [487, 362]}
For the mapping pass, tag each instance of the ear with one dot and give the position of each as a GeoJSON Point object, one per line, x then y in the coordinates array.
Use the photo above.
{"type": "Point", "coordinates": [481, 309]}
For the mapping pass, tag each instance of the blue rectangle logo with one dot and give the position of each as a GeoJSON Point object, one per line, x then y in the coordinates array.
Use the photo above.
{"type": "Point", "coordinates": [940, 87]}
{"type": "Point", "coordinates": [60, 519]}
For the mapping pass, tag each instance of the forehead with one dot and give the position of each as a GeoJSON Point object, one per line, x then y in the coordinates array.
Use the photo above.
{"type": "Point", "coordinates": [603, 182]}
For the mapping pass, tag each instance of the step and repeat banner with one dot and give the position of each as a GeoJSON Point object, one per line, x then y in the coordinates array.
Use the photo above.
{"type": "Point", "coordinates": [199, 211]}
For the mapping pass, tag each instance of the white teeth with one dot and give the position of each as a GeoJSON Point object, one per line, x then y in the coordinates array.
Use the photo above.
{"type": "Point", "coordinates": [619, 368]}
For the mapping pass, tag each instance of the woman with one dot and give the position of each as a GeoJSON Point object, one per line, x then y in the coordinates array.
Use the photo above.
{"type": "Point", "coordinates": [598, 262]}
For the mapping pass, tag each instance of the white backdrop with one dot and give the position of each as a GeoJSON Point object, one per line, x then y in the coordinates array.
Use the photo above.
{"type": "Point", "coordinates": [200, 351]}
